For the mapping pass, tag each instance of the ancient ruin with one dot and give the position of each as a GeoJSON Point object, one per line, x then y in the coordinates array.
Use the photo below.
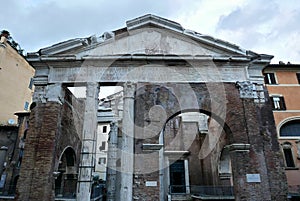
{"type": "Point", "coordinates": [196, 119]}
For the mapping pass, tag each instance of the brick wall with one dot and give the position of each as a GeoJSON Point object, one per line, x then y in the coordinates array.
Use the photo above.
{"type": "Point", "coordinates": [245, 122]}
{"type": "Point", "coordinates": [52, 128]}
{"type": "Point", "coordinates": [36, 177]}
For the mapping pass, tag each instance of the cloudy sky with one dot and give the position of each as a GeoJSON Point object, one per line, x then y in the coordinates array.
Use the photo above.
{"type": "Point", "coordinates": [263, 26]}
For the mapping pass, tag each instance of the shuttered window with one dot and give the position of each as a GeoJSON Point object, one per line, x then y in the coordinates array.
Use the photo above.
{"type": "Point", "coordinates": [298, 77]}
{"type": "Point", "coordinates": [278, 103]}
{"type": "Point", "coordinates": [270, 78]}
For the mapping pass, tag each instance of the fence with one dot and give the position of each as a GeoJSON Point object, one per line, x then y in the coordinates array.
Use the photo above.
{"type": "Point", "coordinates": [206, 191]}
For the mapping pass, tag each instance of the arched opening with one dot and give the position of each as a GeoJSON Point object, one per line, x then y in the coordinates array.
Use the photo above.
{"type": "Point", "coordinates": [290, 129]}
{"type": "Point", "coordinates": [66, 175]}
{"type": "Point", "coordinates": [196, 153]}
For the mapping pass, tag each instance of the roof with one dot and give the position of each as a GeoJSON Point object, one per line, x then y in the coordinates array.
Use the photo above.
{"type": "Point", "coordinates": [282, 66]}
{"type": "Point", "coordinates": [74, 46]}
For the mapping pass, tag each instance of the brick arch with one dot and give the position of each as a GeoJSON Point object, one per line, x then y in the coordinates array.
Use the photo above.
{"type": "Point", "coordinates": [206, 146]}
{"type": "Point", "coordinates": [173, 101]}
{"type": "Point", "coordinates": [70, 156]}
{"type": "Point", "coordinates": [221, 121]}
{"type": "Point", "coordinates": [66, 174]}
{"type": "Point", "coordinates": [244, 124]}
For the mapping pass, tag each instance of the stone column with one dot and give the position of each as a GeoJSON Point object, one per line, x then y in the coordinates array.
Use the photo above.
{"type": "Point", "coordinates": [112, 162]}
{"type": "Point", "coordinates": [89, 134]}
{"type": "Point", "coordinates": [161, 168]}
{"type": "Point", "coordinates": [187, 179]}
{"type": "Point", "coordinates": [127, 154]}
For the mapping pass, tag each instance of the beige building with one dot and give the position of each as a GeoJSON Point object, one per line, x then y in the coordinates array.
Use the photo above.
{"type": "Point", "coordinates": [283, 83]}
{"type": "Point", "coordinates": [101, 151]}
{"type": "Point", "coordinates": [16, 85]}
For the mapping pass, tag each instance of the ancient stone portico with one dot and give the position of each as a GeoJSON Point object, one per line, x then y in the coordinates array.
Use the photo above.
{"type": "Point", "coordinates": [170, 76]}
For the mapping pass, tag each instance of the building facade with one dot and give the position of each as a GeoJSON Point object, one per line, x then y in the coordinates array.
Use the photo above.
{"type": "Point", "coordinates": [105, 117]}
{"type": "Point", "coordinates": [196, 116]}
{"type": "Point", "coordinates": [16, 84]}
{"type": "Point", "coordinates": [282, 81]}
{"type": "Point", "coordinates": [15, 97]}
{"type": "Point", "coordinates": [109, 111]}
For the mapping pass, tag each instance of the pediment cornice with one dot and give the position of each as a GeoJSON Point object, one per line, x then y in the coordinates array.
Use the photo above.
{"type": "Point", "coordinates": [111, 43]}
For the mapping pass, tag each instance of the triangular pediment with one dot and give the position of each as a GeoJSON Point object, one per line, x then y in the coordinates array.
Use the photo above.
{"type": "Point", "coordinates": [150, 41]}
{"type": "Point", "coordinates": [148, 35]}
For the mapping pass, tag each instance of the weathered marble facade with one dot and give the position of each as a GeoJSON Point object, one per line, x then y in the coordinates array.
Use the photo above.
{"type": "Point", "coordinates": [165, 70]}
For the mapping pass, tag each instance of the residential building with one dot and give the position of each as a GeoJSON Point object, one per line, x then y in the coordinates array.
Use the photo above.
{"type": "Point", "coordinates": [16, 86]}
{"type": "Point", "coordinates": [105, 116]}
{"type": "Point", "coordinates": [283, 84]}
{"type": "Point", "coordinates": [16, 89]}
{"type": "Point", "coordinates": [109, 111]}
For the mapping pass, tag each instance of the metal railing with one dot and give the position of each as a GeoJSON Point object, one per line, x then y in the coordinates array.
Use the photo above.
{"type": "Point", "coordinates": [205, 191]}
{"type": "Point", "coordinates": [8, 191]}
{"type": "Point", "coordinates": [212, 190]}
{"type": "Point", "coordinates": [65, 192]}
{"type": "Point", "coordinates": [177, 189]}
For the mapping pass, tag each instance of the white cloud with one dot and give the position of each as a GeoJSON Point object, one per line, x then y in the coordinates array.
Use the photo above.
{"type": "Point", "coordinates": [203, 16]}
{"type": "Point", "coordinates": [265, 27]}
{"type": "Point", "coordinates": [269, 27]}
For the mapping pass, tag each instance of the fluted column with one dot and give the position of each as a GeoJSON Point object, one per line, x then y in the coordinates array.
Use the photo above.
{"type": "Point", "coordinates": [127, 155]}
{"type": "Point", "coordinates": [89, 135]}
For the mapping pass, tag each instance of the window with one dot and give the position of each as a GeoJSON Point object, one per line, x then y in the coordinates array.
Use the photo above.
{"type": "Point", "coordinates": [26, 105]}
{"type": "Point", "coordinates": [278, 103]}
{"type": "Point", "coordinates": [298, 77]}
{"type": "Point", "coordinates": [30, 83]}
{"type": "Point", "coordinates": [270, 78]}
{"type": "Point", "coordinates": [104, 129]}
{"type": "Point", "coordinates": [102, 147]}
{"type": "Point", "coordinates": [102, 161]}
{"type": "Point", "coordinates": [290, 129]}
{"type": "Point", "coordinates": [288, 155]}
{"type": "Point", "coordinates": [177, 177]}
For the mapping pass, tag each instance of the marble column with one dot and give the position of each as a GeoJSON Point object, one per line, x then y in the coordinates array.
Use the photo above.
{"type": "Point", "coordinates": [87, 158]}
{"type": "Point", "coordinates": [112, 162]}
{"type": "Point", "coordinates": [127, 155]}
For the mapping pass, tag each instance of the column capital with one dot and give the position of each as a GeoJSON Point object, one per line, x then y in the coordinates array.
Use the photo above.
{"type": "Point", "coordinates": [246, 89]}
{"type": "Point", "coordinates": [251, 90]}
{"type": "Point", "coordinates": [129, 89]}
{"type": "Point", "coordinates": [92, 89]}
{"type": "Point", "coordinates": [49, 93]}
